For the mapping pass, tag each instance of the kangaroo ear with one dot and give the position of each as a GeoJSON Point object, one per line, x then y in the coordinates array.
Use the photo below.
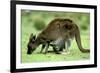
{"type": "Point", "coordinates": [34, 37]}
{"type": "Point", "coordinates": [31, 35]}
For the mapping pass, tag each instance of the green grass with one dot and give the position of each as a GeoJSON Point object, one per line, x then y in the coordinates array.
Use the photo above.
{"type": "Point", "coordinates": [27, 28]}
{"type": "Point", "coordinates": [75, 54]}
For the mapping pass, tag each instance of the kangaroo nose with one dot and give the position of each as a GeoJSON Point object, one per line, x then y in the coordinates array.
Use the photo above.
{"type": "Point", "coordinates": [29, 50]}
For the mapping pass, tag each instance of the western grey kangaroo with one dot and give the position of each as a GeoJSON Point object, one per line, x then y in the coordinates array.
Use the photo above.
{"type": "Point", "coordinates": [59, 29]}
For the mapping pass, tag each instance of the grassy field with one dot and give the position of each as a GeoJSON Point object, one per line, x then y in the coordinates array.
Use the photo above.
{"type": "Point", "coordinates": [35, 21]}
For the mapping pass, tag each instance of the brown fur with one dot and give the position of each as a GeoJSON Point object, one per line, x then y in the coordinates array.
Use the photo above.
{"type": "Point", "coordinates": [57, 28]}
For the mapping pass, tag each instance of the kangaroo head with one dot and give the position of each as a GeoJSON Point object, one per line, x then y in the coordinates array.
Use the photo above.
{"type": "Point", "coordinates": [31, 43]}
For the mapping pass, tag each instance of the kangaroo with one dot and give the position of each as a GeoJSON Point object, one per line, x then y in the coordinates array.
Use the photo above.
{"type": "Point", "coordinates": [58, 29]}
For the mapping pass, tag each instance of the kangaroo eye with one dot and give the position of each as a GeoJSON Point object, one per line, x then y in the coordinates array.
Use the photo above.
{"type": "Point", "coordinates": [33, 41]}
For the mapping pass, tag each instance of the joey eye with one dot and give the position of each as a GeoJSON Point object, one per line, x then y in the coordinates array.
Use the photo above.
{"type": "Point", "coordinates": [68, 26]}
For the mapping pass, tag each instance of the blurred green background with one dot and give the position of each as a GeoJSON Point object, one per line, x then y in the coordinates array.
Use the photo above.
{"type": "Point", "coordinates": [33, 21]}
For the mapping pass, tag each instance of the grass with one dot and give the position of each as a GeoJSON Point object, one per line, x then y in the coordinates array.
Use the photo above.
{"type": "Point", "coordinates": [27, 28]}
{"type": "Point", "coordinates": [75, 54]}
